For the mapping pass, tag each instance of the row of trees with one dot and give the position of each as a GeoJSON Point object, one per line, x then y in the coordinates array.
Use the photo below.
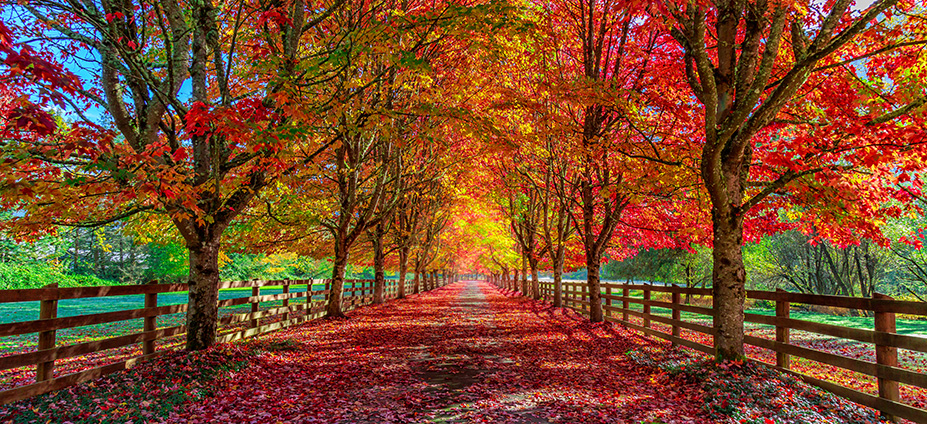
{"type": "Point", "coordinates": [533, 131]}
{"type": "Point", "coordinates": [677, 124]}
{"type": "Point", "coordinates": [257, 126]}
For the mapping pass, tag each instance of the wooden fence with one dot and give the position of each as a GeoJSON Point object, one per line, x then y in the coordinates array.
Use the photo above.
{"type": "Point", "coordinates": [281, 310]}
{"type": "Point", "coordinates": [621, 302]}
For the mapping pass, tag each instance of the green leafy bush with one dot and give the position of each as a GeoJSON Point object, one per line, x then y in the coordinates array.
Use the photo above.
{"type": "Point", "coordinates": [15, 276]}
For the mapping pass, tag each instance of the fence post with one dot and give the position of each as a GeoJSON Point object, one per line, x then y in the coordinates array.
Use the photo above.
{"type": "Point", "coordinates": [783, 360]}
{"type": "Point", "coordinates": [150, 323]}
{"type": "Point", "coordinates": [626, 293]}
{"type": "Point", "coordinates": [677, 315]}
{"type": "Point", "coordinates": [286, 301]}
{"type": "Point", "coordinates": [255, 305]}
{"type": "Point", "coordinates": [886, 355]}
{"type": "Point", "coordinates": [576, 295]}
{"type": "Point", "coordinates": [585, 297]}
{"type": "Point", "coordinates": [328, 288]}
{"type": "Point", "coordinates": [48, 309]}
{"type": "Point", "coordinates": [608, 302]}
{"type": "Point", "coordinates": [310, 302]}
{"type": "Point", "coordinates": [646, 307]}
{"type": "Point", "coordinates": [567, 298]}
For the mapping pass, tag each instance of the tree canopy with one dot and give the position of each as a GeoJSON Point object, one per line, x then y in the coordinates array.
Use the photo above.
{"type": "Point", "coordinates": [505, 137]}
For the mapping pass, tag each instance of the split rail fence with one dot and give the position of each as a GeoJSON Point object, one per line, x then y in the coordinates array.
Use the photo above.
{"type": "Point", "coordinates": [280, 310]}
{"type": "Point", "coordinates": [618, 299]}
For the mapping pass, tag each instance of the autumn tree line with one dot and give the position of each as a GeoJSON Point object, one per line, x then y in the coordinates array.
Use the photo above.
{"type": "Point", "coordinates": [502, 136]}
{"type": "Point", "coordinates": [682, 130]}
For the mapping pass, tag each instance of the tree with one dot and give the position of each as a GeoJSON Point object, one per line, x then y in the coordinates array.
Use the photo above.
{"type": "Point", "coordinates": [433, 219]}
{"type": "Point", "coordinates": [604, 83]}
{"type": "Point", "coordinates": [775, 80]}
{"type": "Point", "coordinates": [520, 199]}
{"type": "Point", "coordinates": [409, 221]}
{"type": "Point", "coordinates": [200, 116]}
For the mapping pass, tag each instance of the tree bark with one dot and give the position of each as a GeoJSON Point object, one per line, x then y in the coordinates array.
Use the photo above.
{"type": "Point", "coordinates": [403, 268]}
{"type": "Point", "coordinates": [203, 309]}
{"type": "Point", "coordinates": [535, 284]}
{"type": "Point", "coordinates": [336, 296]}
{"type": "Point", "coordinates": [416, 282]}
{"type": "Point", "coordinates": [729, 279]}
{"type": "Point", "coordinates": [595, 295]}
{"type": "Point", "coordinates": [379, 278]}
{"type": "Point", "coordinates": [524, 277]}
{"type": "Point", "coordinates": [558, 278]}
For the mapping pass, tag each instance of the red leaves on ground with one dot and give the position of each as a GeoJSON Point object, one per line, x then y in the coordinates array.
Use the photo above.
{"type": "Point", "coordinates": [463, 353]}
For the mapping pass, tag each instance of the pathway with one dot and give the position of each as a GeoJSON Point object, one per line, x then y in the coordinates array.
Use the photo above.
{"type": "Point", "coordinates": [463, 353]}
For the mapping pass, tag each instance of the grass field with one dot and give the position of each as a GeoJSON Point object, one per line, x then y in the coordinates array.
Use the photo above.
{"type": "Point", "coordinates": [28, 311]}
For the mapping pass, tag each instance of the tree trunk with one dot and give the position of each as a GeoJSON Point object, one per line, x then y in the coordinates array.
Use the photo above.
{"type": "Point", "coordinates": [558, 278]}
{"type": "Point", "coordinates": [379, 279]}
{"type": "Point", "coordinates": [688, 283]}
{"type": "Point", "coordinates": [415, 281]}
{"type": "Point", "coordinates": [336, 296]}
{"type": "Point", "coordinates": [595, 295]}
{"type": "Point", "coordinates": [535, 284]}
{"type": "Point", "coordinates": [728, 278]}
{"type": "Point", "coordinates": [524, 276]}
{"type": "Point", "coordinates": [403, 268]}
{"type": "Point", "coordinates": [203, 309]}
{"type": "Point", "coordinates": [515, 280]}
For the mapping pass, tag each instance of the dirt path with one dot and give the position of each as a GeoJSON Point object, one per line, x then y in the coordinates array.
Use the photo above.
{"type": "Point", "coordinates": [463, 353]}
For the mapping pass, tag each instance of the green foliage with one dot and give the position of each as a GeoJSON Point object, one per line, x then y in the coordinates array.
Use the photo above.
{"type": "Point", "coordinates": [35, 275]}
{"type": "Point", "coordinates": [245, 266]}
{"type": "Point", "coordinates": [672, 266]}
{"type": "Point", "coordinates": [167, 262]}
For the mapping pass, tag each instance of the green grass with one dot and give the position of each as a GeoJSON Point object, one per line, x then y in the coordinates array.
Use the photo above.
{"type": "Point", "coordinates": [904, 326]}
{"type": "Point", "coordinates": [27, 311]}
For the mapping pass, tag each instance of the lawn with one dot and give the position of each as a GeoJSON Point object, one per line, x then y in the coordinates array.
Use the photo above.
{"type": "Point", "coordinates": [26, 311]}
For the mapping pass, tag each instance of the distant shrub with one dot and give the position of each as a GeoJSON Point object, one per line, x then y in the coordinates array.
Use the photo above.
{"type": "Point", "coordinates": [14, 276]}
{"type": "Point", "coordinates": [763, 303]}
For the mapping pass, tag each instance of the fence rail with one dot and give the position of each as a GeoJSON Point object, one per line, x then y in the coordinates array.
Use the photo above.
{"type": "Point", "coordinates": [618, 299]}
{"type": "Point", "coordinates": [281, 310]}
